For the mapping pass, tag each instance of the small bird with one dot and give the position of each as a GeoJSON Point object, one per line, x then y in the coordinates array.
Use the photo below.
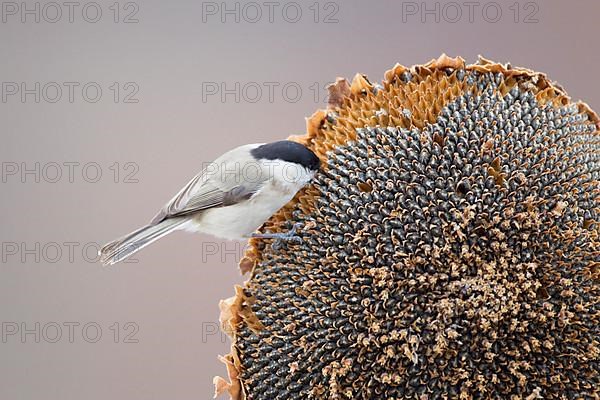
{"type": "Point", "coordinates": [231, 198]}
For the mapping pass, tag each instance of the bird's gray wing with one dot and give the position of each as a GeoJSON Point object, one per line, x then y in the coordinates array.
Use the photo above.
{"type": "Point", "coordinates": [205, 192]}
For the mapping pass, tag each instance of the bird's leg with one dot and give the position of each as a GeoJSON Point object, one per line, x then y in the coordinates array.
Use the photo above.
{"type": "Point", "coordinates": [280, 236]}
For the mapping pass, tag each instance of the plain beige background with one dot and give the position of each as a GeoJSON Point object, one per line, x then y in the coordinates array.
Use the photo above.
{"type": "Point", "coordinates": [176, 58]}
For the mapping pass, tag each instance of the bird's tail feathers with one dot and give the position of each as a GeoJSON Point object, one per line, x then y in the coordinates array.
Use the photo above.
{"type": "Point", "coordinates": [120, 249]}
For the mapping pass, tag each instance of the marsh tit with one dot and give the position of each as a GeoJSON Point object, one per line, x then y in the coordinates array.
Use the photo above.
{"type": "Point", "coordinates": [231, 198]}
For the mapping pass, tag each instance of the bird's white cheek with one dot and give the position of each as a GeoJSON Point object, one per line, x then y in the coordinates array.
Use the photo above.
{"type": "Point", "coordinates": [303, 180]}
{"type": "Point", "coordinates": [306, 178]}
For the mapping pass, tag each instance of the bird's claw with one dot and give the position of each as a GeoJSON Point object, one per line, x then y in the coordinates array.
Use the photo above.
{"type": "Point", "coordinates": [280, 237]}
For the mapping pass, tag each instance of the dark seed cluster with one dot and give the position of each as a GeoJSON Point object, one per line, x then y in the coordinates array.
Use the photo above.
{"type": "Point", "coordinates": [459, 260]}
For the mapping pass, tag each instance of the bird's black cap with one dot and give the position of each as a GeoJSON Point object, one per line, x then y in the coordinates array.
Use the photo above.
{"type": "Point", "coordinates": [287, 150]}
